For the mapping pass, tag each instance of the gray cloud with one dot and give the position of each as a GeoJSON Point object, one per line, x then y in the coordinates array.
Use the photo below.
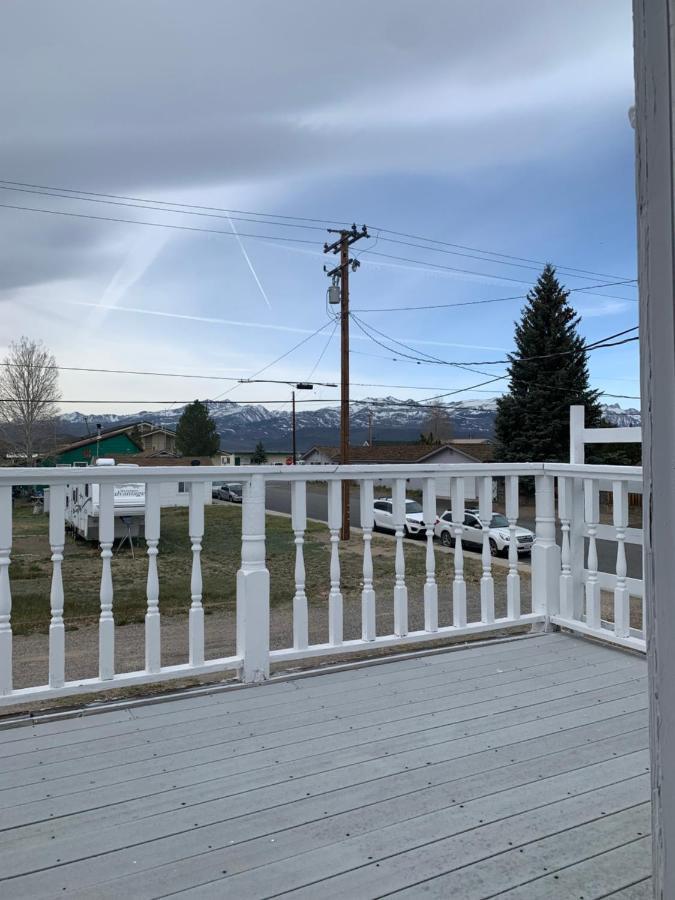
{"type": "Point", "coordinates": [174, 96]}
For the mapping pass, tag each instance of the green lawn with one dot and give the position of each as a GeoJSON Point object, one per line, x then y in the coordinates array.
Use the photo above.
{"type": "Point", "coordinates": [30, 571]}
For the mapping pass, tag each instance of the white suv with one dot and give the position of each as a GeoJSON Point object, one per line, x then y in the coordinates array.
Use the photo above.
{"type": "Point", "coordinates": [472, 533]}
{"type": "Point", "coordinates": [384, 518]}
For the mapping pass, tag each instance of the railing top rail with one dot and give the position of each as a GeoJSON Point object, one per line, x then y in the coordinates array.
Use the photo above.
{"type": "Point", "coordinates": [121, 473]}
{"type": "Point", "coordinates": [618, 473]}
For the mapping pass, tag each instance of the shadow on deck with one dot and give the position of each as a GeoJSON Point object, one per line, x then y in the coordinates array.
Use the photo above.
{"type": "Point", "coordinates": [510, 769]}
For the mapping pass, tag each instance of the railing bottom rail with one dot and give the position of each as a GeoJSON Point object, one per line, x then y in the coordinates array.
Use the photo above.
{"type": "Point", "coordinates": [123, 680]}
{"type": "Point", "coordinates": [394, 640]}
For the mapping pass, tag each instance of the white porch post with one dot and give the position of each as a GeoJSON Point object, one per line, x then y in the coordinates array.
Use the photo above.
{"type": "Point", "coordinates": [545, 551]}
{"type": "Point", "coordinates": [655, 93]}
{"type": "Point", "coordinates": [253, 586]}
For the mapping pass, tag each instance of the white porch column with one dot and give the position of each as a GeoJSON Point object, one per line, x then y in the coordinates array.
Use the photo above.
{"type": "Point", "coordinates": [253, 586]}
{"type": "Point", "coordinates": [545, 551]}
{"type": "Point", "coordinates": [654, 21]}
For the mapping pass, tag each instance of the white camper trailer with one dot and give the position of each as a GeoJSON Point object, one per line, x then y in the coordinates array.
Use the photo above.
{"type": "Point", "coordinates": [82, 505]}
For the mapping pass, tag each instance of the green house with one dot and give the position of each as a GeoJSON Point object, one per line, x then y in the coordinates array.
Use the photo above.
{"type": "Point", "coordinates": [111, 443]}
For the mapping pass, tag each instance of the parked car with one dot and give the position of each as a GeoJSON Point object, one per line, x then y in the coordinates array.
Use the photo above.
{"type": "Point", "coordinates": [215, 489]}
{"type": "Point", "coordinates": [384, 517]}
{"type": "Point", "coordinates": [231, 492]}
{"type": "Point", "coordinates": [472, 533]}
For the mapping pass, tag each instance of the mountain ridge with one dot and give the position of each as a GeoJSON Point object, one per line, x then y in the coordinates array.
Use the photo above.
{"type": "Point", "coordinates": [242, 425]}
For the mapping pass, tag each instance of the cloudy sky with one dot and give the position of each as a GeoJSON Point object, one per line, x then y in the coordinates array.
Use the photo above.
{"type": "Point", "coordinates": [495, 127]}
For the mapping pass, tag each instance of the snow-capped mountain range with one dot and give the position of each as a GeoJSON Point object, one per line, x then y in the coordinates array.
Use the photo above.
{"type": "Point", "coordinates": [241, 425]}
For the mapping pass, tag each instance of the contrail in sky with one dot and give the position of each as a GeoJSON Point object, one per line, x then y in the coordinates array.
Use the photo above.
{"type": "Point", "coordinates": [249, 263]}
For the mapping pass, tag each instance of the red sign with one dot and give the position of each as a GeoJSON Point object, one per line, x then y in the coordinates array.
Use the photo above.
{"type": "Point", "coordinates": [289, 460]}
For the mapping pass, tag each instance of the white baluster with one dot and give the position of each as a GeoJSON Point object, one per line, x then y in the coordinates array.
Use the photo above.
{"type": "Point", "coordinates": [253, 586]}
{"type": "Point", "coordinates": [458, 584]}
{"type": "Point", "coordinates": [196, 531]}
{"type": "Point", "coordinates": [57, 540]}
{"type": "Point", "coordinates": [592, 518]}
{"type": "Point", "coordinates": [513, 578]}
{"type": "Point", "coordinates": [487, 588]}
{"type": "Point", "coordinates": [400, 589]}
{"type": "Point", "coordinates": [106, 624]}
{"type": "Point", "coordinates": [565, 508]}
{"type": "Point", "coordinates": [368, 621]}
{"type": "Point", "coordinates": [621, 596]}
{"type": "Point", "coordinates": [299, 524]}
{"type": "Point", "coordinates": [5, 592]}
{"type": "Point", "coordinates": [335, 596]}
{"type": "Point", "coordinates": [430, 586]}
{"type": "Point", "coordinates": [153, 661]}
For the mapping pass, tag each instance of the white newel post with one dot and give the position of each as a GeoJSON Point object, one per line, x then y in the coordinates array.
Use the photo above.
{"type": "Point", "coordinates": [253, 586]}
{"type": "Point", "coordinates": [458, 583]}
{"type": "Point", "coordinates": [545, 552]}
{"type": "Point", "coordinates": [153, 662]}
{"type": "Point", "coordinates": [430, 586]}
{"type": "Point", "coordinates": [487, 586]}
{"type": "Point", "coordinates": [196, 532]}
{"type": "Point", "coordinates": [335, 615]}
{"type": "Point", "coordinates": [106, 623]}
{"type": "Point", "coordinates": [368, 618]}
{"type": "Point", "coordinates": [592, 517]}
{"type": "Point", "coordinates": [5, 593]}
{"type": "Point", "coordinates": [621, 597]}
{"type": "Point", "coordinates": [299, 525]}
{"type": "Point", "coordinates": [565, 514]}
{"type": "Point", "coordinates": [400, 589]}
{"type": "Point", "coordinates": [513, 578]}
{"type": "Point", "coordinates": [57, 541]}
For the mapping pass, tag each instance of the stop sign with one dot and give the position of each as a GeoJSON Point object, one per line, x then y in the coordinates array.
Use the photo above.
{"type": "Point", "coordinates": [289, 460]}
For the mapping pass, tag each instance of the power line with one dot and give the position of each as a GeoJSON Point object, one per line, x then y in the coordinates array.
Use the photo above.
{"type": "Point", "coordinates": [416, 237]}
{"type": "Point", "coordinates": [586, 289]}
{"type": "Point", "coordinates": [60, 212]}
{"type": "Point", "coordinates": [323, 352]}
{"type": "Point", "coordinates": [28, 187]}
{"type": "Point", "coordinates": [243, 212]}
{"type": "Point", "coordinates": [425, 358]}
{"type": "Point", "coordinates": [429, 358]}
{"type": "Point", "coordinates": [167, 209]}
{"type": "Point", "coordinates": [279, 358]}
{"type": "Point", "coordinates": [427, 263]}
{"type": "Point", "coordinates": [500, 262]}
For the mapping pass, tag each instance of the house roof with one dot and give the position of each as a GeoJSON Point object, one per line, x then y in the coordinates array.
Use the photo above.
{"type": "Point", "coordinates": [92, 439]}
{"type": "Point", "coordinates": [405, 453]}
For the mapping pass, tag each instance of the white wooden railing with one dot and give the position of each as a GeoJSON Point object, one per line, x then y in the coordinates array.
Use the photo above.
{"type": "Point", "coordinates": [567, 586]}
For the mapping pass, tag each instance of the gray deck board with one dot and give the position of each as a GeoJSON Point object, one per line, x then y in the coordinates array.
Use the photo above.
{"type": "Point", "coordinates": [514, 769]}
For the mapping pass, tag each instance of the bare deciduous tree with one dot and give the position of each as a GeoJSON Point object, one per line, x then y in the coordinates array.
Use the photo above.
{"type": "Point", "coordinates": [29, 392]}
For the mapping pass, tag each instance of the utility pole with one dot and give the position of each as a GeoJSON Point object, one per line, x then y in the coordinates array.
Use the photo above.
{"type": "Point", "coordinates": [348, 236]}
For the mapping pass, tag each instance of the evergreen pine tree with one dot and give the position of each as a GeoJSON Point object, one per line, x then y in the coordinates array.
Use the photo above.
{"type": "Point", "coordinates": [196, 433]}
{"type": "Point", "coordinates": [259, 457]}
{"type": "Point", "coordinates": [532, 422]}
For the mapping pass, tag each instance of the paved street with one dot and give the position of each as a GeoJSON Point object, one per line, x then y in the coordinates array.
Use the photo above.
{"type": "Point", "coordinates": [279, 500]}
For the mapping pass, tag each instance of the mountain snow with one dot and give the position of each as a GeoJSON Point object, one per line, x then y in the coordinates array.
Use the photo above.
{"type": "Point", "coordinates": [241, 425]}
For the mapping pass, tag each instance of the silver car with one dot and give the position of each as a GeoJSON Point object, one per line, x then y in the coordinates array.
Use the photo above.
{"type": "Point", "coordinates": [472, 533]}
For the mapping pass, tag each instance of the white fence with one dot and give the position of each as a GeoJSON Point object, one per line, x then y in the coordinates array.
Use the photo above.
{"type": "Point", "coordinates": [567, 586]}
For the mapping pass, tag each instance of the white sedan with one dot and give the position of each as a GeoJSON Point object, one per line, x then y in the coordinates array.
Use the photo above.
{"type": "Point", "coordinates": [384, 517]}
{"type": "Point", "coordinates": [472, 533]}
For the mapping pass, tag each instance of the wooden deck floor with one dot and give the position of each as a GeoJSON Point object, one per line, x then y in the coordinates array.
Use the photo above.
{"type": "Point", "coordinates": [515, 769]}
